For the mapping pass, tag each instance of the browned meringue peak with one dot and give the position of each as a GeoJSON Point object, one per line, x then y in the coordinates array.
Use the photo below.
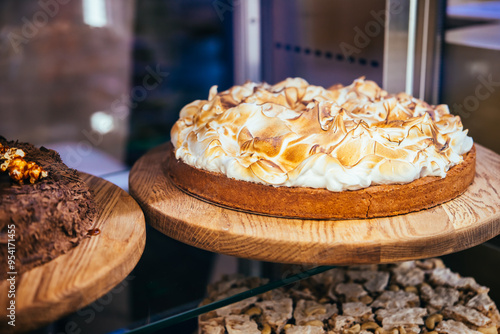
{"type": "Point", "coordinates": [296, 134]}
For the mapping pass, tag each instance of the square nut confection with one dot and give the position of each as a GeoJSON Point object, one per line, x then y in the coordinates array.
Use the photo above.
{"type": "Point", "coordinates": [344, 152]}
{"type": "Point", "coordinates": [408, 297]}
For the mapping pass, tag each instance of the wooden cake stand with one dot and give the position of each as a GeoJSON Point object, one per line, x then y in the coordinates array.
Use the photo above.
{"type": "Point", "coordinates": [466, 221]}
{"type": "Point", "coordinates": [84, 274]}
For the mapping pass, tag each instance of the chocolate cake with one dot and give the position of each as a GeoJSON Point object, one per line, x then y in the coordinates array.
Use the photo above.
{"type": "Point", "coordinates": [49, 215]}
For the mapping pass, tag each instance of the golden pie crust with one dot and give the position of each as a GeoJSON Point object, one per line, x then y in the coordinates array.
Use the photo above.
{"type": "Point", "coordinates": [312, 203]}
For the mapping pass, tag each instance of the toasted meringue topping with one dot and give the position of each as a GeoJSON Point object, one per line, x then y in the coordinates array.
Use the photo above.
{"type": "Point", "coordinates": [298, 135]}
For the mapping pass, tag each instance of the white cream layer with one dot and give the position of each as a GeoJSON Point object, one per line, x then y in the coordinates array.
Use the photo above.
{"type": "Point", "coordinates": [298, 135]}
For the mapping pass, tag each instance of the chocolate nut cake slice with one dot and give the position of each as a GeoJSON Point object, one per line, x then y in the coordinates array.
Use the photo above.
{"type": "Point", "coordinates": [45, 207]}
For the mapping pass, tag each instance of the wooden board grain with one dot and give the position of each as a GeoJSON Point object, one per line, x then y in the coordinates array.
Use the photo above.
{"type": "Point", "coordinates": [463, 222]}
{"type": "Point", "coordinates": [88, 271]}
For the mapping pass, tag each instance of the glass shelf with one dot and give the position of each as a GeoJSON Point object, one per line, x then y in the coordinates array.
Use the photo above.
{"type": "Point", "coordinates": [164, 291]}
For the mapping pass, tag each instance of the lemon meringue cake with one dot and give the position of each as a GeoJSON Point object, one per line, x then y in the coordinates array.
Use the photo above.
{"type": "Point", "coordinates": [297, 150]}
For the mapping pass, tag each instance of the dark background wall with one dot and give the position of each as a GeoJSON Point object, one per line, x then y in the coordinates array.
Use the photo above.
{"type": "Point", "coordinates": [190, 43]}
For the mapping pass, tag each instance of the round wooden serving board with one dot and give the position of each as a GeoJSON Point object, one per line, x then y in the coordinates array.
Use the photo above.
{"type": "Point", "coordinates": [466, 221]}
{"type": "Point", "coordinates": [88, 271]}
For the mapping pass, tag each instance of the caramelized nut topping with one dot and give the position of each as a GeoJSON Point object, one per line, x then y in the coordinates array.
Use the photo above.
{"type": "Point", "coordinates": [19, 169]}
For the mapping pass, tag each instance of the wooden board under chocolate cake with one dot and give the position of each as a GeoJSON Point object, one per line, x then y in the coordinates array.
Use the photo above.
{"type": "Point", "coordinates": [44, 219]}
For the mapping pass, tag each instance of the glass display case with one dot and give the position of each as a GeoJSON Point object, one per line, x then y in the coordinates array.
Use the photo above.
{"type": "Point", "coordinates": [102, 82]}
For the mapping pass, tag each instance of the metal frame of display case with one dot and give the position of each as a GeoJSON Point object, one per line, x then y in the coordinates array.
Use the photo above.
{"type": "Point", "coordinates": [396, 43]}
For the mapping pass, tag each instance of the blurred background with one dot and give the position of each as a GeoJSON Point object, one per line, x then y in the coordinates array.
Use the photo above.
{"type": "Point", "coordinates": [103, 81]}
{"type": "Point", "coordinates": [112, 75]}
